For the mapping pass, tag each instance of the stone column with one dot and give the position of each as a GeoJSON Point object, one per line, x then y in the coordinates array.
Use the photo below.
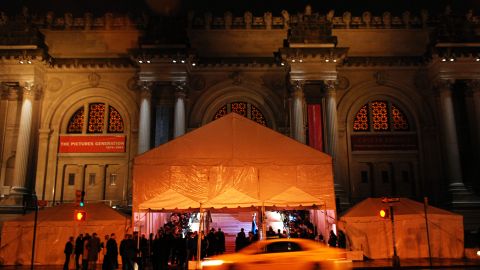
{"type": "Point", "coordinates": [452, 154]}
{"type": "Point", "coordinates": [145, 114]}
{"type": "Point", "coordinates": [23, 142]}
{"type": "Point", "coordinates": [179, 115]}
{"type": "Point", "coordinates": [331, 135]}
{"type": "Point", "coordinates": [3, 125]}
{"type": "Point", "coordinates": [474, 86]}
{"type": "Point", "coordinates": [331, 118]}
{"type": "Point", "coordinates": [298, 115]}
{"type": "Point", "coordinates": [42, 160]}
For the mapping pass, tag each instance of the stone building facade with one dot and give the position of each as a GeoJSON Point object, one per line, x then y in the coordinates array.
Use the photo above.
{"type": "Point", "coordinates": [395, 99]}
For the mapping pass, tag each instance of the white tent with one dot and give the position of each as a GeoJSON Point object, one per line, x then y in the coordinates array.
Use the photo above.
{"type": "Point", "coordinates": [367, 231]}
{"type": "Point", "coordinates": [232, 163]}
{"type": "Point", "coordinates": [54, 226]}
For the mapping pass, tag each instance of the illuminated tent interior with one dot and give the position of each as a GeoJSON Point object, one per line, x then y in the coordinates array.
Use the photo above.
{"type": "Point", "coordinates": [54, 226]}
{"type": "Point", "coordinates": [231, 164]}
{"type": "Point", "coordinates": [367, 231]}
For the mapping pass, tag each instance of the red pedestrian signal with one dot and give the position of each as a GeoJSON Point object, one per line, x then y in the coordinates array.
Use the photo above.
{"type": "Point", "coordinates": [80, 215]}
{"type": "Point", "coordinates": [384, 213]}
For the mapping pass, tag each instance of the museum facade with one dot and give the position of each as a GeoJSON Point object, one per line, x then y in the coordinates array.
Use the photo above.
{"type": "Point", "coordinates": [393, 98]}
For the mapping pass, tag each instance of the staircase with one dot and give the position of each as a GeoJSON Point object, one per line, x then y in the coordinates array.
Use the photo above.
{"type": "Point", "coordinates": [231, 224]}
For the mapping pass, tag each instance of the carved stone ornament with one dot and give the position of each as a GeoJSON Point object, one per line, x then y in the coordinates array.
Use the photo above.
{"type": "Point", "coordinates": [380, 77]}
{"type": "Point", "coordinates": [342, 83]}
{"type": "Point", "coordinates": [132, 83]}
{"type": "Point", "coordinates": [54, 84]}
{"type": "Point", "coordinates": [94, 79]}
{"type": "Point", "coordinates": [197, 82]}
{"type": "Point", "coordinates": [236, 77]}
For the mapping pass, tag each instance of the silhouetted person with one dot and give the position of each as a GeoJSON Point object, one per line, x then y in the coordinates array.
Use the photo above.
{"type": "Point", "coordinates": [332, 239]}
{"type": "Point", "coordinates": [93, 247]}
{"type": "Point", "coordinates": [240, 240]}
{"type": "Point", "coordinates": [112, 253]}
{"type": "Point", "coordinates": [220, 241]}
{"type": "Point", "coordinates": [68, 252]}
{"type": "Point", "coordinates": [78, 250]}
{"type": "Point", "coordinates": [85, 244]}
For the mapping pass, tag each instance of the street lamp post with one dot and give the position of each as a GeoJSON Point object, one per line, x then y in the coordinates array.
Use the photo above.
{"type": "Point", "coordinates": [395, 258]}
{"type": "Point", "coordinates": [35, 204]}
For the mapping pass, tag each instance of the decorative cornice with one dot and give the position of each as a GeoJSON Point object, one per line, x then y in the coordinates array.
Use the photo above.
{"type": "Point", "coordinates": [404, 61]}
{"type": "Point", "coordinates": [89, 63]}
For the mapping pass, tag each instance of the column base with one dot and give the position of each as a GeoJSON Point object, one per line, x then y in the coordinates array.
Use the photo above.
{"type": "Point", "coordinates": [341, 199]}
{"type": "Point", "coordinates": [16, 198]}
{"type": "Point", "coordinates": [462, 197]}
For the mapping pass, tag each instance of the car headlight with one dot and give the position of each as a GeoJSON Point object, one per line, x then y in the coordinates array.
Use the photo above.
{"type": "Point", "coordinates": [212, 263]}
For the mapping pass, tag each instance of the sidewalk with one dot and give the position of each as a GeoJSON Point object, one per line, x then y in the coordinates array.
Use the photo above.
{"type": "Point", "coordinates": [419, 264]}
{"type": "Point", "coordinates": [370, 264]}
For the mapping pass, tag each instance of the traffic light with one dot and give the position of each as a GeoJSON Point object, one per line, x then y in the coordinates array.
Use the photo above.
{"type": "Point", "coordinates": [384, 213]}
{"type": "Point", "coordinates": [82, 199]}
{"type": "Point", "coordinates": [80, 215]}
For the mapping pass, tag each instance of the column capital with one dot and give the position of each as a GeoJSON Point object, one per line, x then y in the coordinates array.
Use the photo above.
{"type": "Point", "coordinates": [146, 90]}
{"type": "Point", "coordinates": [443, 84]}
{"type": "Point", "coordinates": [474, 86]}
{"type": "Point", "coordinates": [4, 92]}
{"type": "Point", "coordinates": [31, 91]}
{"type": "Point", "coordinates": [330, 86]}
{"type": "Point", "coordinates": [297, 88]}
{"type": "Point", "coordinates": [180, 89]}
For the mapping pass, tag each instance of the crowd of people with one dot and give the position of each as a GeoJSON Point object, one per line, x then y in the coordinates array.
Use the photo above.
{"type": "Point", "coordinates": [173, 245]}
{"type": "Point", "coordinates": [85, 250]}
{"type": "Point", "coordinates": [167, 247]}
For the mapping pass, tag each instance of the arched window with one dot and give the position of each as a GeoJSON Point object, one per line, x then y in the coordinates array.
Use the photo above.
{"type": "Point", "coordinates": [380, 125]}
{"type": "Point", "coordinates": [101, 119]}
{"type": "Point", "coordinates": [380, 116]}
{"type": "Point", "coordinates": [245, 109]}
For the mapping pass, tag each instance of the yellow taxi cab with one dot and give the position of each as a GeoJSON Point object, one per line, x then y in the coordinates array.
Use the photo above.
{"type": "Point", "coordinates": [284, 253]}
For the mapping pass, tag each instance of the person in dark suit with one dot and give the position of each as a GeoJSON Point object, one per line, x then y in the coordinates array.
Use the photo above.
{"type": "Point", "coordinates": [68, 252]}
{"type": "Point", "coordinates": [111, 256]}
{"type": "Point", "coordinates": [78, 250]}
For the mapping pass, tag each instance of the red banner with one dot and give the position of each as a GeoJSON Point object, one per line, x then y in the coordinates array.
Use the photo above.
{"type": "Point", "coordinates": [92, 144]}
{"type": "Point", "coordinates": [315, 134]}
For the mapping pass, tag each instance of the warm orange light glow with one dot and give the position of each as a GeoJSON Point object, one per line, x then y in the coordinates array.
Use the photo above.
{"type": "Point", "coordinates": [383, 213]}
{"type": "Point", "coordinates": [80, 215]}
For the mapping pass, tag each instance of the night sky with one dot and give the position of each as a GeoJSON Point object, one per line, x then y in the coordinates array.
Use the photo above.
{"type": "Point", "coordinates": [178, 7]}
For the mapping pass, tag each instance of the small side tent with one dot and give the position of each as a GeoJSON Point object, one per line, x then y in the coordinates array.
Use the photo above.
{"type": "Point", "coordinates": [367, 231]}
{"type": "Point", "coordinates": [54, 226]}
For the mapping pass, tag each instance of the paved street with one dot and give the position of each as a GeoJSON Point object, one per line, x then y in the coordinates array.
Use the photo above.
{"type": "Point", "coordinates": [371, 264]}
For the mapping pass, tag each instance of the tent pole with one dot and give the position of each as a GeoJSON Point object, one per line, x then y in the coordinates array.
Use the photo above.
{"type": "Point", "coordinates": [326, 223]}
{"type": "Point", "coordinates": [425, 206]}
{"type": "Point", "coordinates": [199, 238]}
{"type": "Point", "coordinates": [264, 225]}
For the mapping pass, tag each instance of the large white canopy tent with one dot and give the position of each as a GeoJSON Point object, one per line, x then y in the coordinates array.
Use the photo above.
{"type": "Point", "coordinates": [367, 231]}
{"type": "Point", "coordinates": [230, 164]}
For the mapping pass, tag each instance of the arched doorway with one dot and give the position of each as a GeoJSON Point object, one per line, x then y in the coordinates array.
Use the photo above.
{"type": "Point", "coordinates": [383, 146]}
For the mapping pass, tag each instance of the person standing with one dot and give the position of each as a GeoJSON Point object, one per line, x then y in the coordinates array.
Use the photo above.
{"type": "Point", "coordinates": [68, 252]}
{"type": "Point", "coordinates": [85, 246]}
{"type": "Point", "coordinates": [221, 241]}
{"type": "Point", "coordinates": [112, 252]}
{"type": "Point", "coordinates": [93, 250]}
{"type": "Point", "coordinates": [78, 250]}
